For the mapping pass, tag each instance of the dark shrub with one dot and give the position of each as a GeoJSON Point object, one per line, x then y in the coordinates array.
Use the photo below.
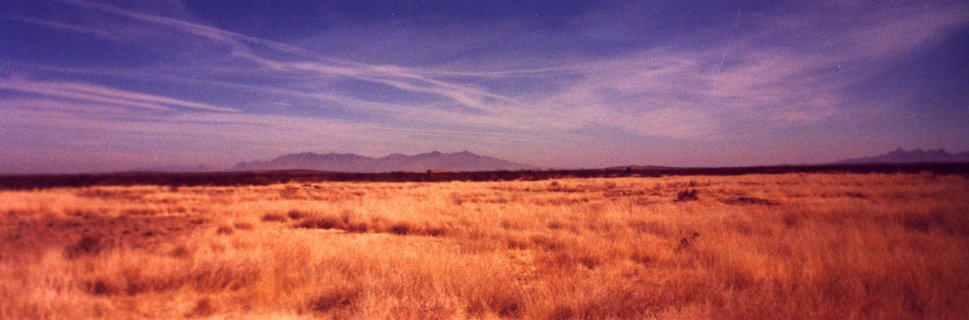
{"type": "Point", "coordinates": [295, 214]}
{"type": "Point", "coordinates": [321, 223]}
{"type": "Point", "coordinates": [88, 245]}
{"type": "Point", "coordinates": [686, 195]}
{"type": "Point", "coordinates": [273, 217]}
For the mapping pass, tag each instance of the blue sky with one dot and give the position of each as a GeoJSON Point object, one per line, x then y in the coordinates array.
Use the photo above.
{"type": "Point", "coordinates": [104, 86]}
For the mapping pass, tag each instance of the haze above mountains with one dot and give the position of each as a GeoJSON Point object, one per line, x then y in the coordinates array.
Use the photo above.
{"type": "Point", "coordinates": [468, 161]}
{"type": "Point", "coordinates": [458, 161]}
{"type": "Point", "coordinates": [914, 156]}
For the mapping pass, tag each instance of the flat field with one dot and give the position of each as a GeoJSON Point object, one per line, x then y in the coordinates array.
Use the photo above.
{"type": "Point", "coordinates": [787, 246]}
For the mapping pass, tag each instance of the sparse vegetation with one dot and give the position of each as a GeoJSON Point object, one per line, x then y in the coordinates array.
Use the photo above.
{"type": "Point", "coordinates": [750, 247]}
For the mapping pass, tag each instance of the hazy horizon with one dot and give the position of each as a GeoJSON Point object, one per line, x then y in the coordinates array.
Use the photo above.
{"type": "Point", "coordinates": [99, 86]}
{"type": "Point", "coordinates": [204, 167]}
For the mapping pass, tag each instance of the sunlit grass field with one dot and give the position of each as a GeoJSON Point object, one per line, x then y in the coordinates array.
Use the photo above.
{"type": "Point", "coordinates": [792, 246]}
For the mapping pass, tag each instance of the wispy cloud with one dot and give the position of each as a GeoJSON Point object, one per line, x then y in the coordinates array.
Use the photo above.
{"type": "Point", "coordinates": [761, 72]}
{"type": "Point", "coordinates": [408, 79]}
{"type": "Point", "coordinates": [95, 93]}
{"type": "Point", "coordinates": [689, 92]}
{"type": "Point", "coordinates": [669, 91]}
{"type": "Point", "coordinates": [64, 26]}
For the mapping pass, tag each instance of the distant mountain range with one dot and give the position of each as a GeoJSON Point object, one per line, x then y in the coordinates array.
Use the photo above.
{"type": "Point", "coordinates": [348, 162]}
{"type": "Point", "coordinates": [176, 168]}
{"type": "Point", "coordinates": [914, 156]}
{"type": "Point", "coordinates": [467, 161]}
{"type": "Point", "coordinates": [637, 167]}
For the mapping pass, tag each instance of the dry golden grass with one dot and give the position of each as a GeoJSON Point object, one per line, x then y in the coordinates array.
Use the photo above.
{"type": "Point", "coordinates": [792, 246]}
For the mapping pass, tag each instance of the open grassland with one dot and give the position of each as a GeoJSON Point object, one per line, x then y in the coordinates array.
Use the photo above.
{"type": "Point", "coordinates": [792, 246]}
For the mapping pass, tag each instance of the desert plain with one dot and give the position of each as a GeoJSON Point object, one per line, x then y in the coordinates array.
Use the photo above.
{"type": "Point", "coordinates": [755, 246]}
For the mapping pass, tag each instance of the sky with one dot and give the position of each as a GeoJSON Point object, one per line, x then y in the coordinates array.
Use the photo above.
{"type": "Point", "coordinates": [92, 86]}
